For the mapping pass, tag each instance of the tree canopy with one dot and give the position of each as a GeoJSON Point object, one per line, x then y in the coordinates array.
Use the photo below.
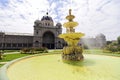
{"type": "Point", "coordinates": [118, 39]}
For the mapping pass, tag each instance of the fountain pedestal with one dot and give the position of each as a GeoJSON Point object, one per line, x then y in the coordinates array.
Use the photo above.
{"type": "Point", "coordinates": [71, 52]}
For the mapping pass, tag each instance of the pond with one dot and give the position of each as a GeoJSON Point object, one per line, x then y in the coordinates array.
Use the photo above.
{"type": "Point", "coordinates": [51, 67]}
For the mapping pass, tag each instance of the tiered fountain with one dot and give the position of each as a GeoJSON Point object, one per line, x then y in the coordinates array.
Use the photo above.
{"type": "Point", "coordinates": [73, 51]}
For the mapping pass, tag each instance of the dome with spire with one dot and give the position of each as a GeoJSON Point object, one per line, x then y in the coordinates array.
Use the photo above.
{"type": "Point", "coordinates": [46, 17]}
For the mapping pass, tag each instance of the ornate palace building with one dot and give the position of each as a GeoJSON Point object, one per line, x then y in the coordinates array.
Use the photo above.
{"type": "Point", "coordinates": [45, 35]}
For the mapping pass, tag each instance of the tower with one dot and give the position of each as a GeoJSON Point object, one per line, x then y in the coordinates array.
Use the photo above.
{"type": "Point", "coordinates": [45, 33]}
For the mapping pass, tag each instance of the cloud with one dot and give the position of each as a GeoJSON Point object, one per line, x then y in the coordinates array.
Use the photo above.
{"type": "Point", "coordinates": [3, 3]}
{"type": "Point", "coordinates": [20, 15]}
{"type": "Point", "coordinates": [93, 16]}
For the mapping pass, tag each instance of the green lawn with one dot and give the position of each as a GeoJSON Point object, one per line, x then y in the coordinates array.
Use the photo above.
{"type": "Point", "coordinates": [9, 57]}
{"type": "Point", "coordinates": [100, 52]}
{"type": "Point", "coordinates": [1, 65]}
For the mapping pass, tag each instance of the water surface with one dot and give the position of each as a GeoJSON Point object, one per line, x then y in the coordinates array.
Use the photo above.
{"type": "Point", "coordinates": [51, 67]}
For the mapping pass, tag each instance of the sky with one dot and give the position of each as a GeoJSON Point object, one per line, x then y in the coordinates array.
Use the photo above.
{"type": "Point", "coordinates": [94, 16]}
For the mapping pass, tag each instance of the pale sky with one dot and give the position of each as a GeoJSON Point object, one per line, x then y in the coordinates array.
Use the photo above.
{"type": "Point", "coordinates": [94, 16]}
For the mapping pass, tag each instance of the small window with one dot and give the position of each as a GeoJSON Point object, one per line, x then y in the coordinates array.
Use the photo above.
{"type": "Point", "coordinates": [24, 45]}
{"type": "Point", "coordinates": [14, 45]}
{"type": "Point", "coordinates": [8, 45]}
{"type": "Point", "coordinates": [30, 45]}
{"type": "Point", "coordinates": [19, 45]}
{"type": "Point", "coordinates": [48, 24]}
{"type": "Point", "coordinates": [0, 44]}
{"type": "Point", "coordinates": [45, 24]}
{"type": "Point", "coordinates": [37, 32]}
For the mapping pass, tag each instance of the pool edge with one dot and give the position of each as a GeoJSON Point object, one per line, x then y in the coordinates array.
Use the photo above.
{"type": "Point", "coordinates": [3, 69]}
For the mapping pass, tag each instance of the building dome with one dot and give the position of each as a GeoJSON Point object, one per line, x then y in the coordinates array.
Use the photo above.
{"type": "Point", "coordinates": [100, 35]}
{"type": "Point", "coordinates": [46, 18]}
{"type": "Point", "coordinates": [59, 25]}
{"type": "Point", "coordinates": [37, 21]}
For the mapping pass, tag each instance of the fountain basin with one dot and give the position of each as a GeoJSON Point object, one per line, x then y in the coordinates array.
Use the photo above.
{"type": "Point", "coordinates": [70, 24]}
{"type": "Point", "coordinates": [51, 67]}
{"type": "Point", "coordinates": [71, 38]}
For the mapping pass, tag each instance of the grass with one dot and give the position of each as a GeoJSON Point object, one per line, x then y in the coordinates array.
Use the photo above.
{"type": "Point", "coordinates": [9, 57]}
{"type": "Point", "coordinates": [1, 65]}
{"type": "Point", "coordinates": [91, 51]}
{"type": "Point", "coordinates": [100, 52]}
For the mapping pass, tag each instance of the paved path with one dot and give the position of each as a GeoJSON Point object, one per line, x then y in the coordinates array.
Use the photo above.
{"type": "Point", "coordinates": [3, 62]}
{"type": "Point", "coordinates": [11, 52]}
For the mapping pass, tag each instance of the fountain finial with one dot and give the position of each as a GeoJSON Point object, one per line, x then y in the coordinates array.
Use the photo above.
{"type": "Point", "coordinates": [70, 11]}
{"type": "Point", "coordinates": [70, 17]}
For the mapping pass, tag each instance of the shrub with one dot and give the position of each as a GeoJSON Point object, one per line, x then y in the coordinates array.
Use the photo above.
{"type": "Point", "coordinates": [112, 48]}
{"type": "Point", "coordinates": [25, 50]}
{"type": "Point", "coordinates": [34, 50]}
{"type": "Point", "coordinates": [40, 49]}
{"type": "Point", "coordinates": [109, 42]}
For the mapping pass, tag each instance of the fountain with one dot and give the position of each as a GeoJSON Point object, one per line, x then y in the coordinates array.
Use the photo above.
{"type": "Point", "coordinates": [51, 67]}
{"type": "Point", "coordinates": [72, 51]}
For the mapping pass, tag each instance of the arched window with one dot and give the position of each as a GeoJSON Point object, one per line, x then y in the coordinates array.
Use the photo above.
{"type": "Point", "coordinates": [36, 43]}
{"type": "Point", "coordinates": [45, 24]}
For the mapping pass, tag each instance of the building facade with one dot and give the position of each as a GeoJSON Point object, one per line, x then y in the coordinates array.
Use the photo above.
{"type": "Point", "coordinates": [8, 41]}
{"type": "Point", "coordinates": [98, 42]}
{"type": "Point", "coordinates": [45, 35]}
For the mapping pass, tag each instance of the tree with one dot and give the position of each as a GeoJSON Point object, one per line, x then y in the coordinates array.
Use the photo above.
{"type": "Point", "coordinates": [109, 42]}
{"type": "Point", "coordinates": [118, 39]}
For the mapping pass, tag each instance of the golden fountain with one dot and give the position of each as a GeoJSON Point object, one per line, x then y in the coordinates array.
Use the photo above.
{"type": "Point", "coordinates": [73, 51]}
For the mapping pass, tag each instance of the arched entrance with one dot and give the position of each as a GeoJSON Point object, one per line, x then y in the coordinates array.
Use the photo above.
{"type": "Point", "coordinates": [48, 40]}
